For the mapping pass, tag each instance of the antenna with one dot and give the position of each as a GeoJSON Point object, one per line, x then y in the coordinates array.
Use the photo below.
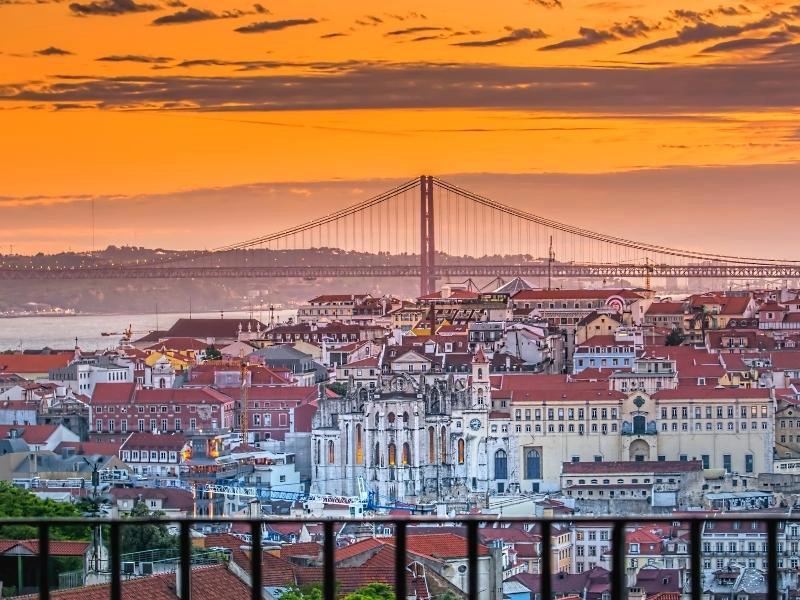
{"type": "Point", "coordinates": [551, 255]}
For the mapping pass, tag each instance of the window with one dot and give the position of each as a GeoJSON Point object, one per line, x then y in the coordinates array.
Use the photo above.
{"type": "Point", "coordinates": [726, 462]}
{"type": "Point", "coordinates": [406, 458]}
{"type": "Point", "coordinates": [748, 463]}
{"type": "Point", "coordinates": [177, 424]}
{"type": "Point", "coordinates": [461, 451]}
{"type": "Point", "coordinates": [331, 452]}
{"type": "Point", "coordinates": [192, 424]}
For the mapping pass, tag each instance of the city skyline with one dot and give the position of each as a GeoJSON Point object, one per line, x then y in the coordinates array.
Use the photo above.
{"type": "Point", "coordinates": [161, 113]}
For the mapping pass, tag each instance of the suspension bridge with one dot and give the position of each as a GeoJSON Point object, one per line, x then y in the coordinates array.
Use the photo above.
{"type": "Point", "coordinates": [430, 229]}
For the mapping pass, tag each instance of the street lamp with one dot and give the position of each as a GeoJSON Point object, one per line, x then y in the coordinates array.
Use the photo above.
{"type": "Point", "coordinates": [97, 532]}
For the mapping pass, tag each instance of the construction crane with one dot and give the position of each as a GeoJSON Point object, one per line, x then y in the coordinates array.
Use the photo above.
{"type": "Point", "coordinates": [358, 504]}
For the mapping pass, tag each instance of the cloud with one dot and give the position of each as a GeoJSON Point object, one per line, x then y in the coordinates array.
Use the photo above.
{"type": "Point", "coordinates": [633, 27]}
{"type": "Point", "coordinates": [620, 89]}
{"type": "Point", "coordinates": [334, 34]}
{"type": "Point", "coordinates": [773, 39]}
{"type": "Point", "coordinates": [703, 31]}
{"type": "Point", "coordinates": [513, 36]}
{"type": "Point", "coordinates": [53, 51]}
{"type": "Point", "coordinates": [587, 37]}
{"type": "Point", "coordinates": [111, 8]}
{"type": "Point", "coordinates": [195, 15]}
{"type": "Point", "coordinates": [412, 30]}
{"type": "Point", "coordinates": [547, 3]}
{"type": "Point", "coordinates": [135, 58]}
{"type": "Point", "coordinates": [266, 26]}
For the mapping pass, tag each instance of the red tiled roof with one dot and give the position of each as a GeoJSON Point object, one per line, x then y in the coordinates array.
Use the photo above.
{"type": "Point", "coordinates": [371, 361]}
{"type": "Point", "coordinates": [299, 394]}
{"type": "Point", "coordinates": [113, 393]}
{"type": "Point", "coordinates": [34, 363]}
{"type": "Point", "coordinates": [57, 548]}
{"type": "Point", "coordinates": [665, 308]}
{"type": "Point", "coordinates": [365, 545]}
{"type": "Point", "coordinates": [338, 298]}
{"type": "Point", "coordinates": [574, 294]}
{"type": "Point", "coordinates": [605, 340]}
{"type": "Point", "coordinates": [201, 395]}
{"type": "Point", "coordinates": [440, 545]}
{"type": "Point", "coordinates": [89, 448]}
{"type": "Point", "coordinates": [275, 571]}
{"type": "Point", "coordinates": [32, 434]}
{"type": "Point", "coordinates": [209, 583]}
{"type": "Point", "coordinates": [215, 328]}
{"type": "Point", "coordinates": [707, 393]}
{"type": "Point", "coordinates": [312, 549]}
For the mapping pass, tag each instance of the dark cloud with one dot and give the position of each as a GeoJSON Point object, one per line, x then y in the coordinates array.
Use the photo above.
{"type": "Point", "coordinates": [331, 86]}
{"type": "Point", "coordinates": [270, 65]}
{"type": "Point", "coordinates": [773, 39]}
{"type": "Point", "coordinates": [53, 51]}
{"type": "Point", "coordinates": [176, 3]}
{"type": "Point", "coordinates": [135, 58]}
{"type": "Point", "coordinates": [787, 52]}
{"type": "Point", "coordinates": [407, 16]}
{"type": "Point", "coordinates": [334, 34]}
{"type": "Point", "coordinates": [633, 27]}
{"type": "Point", "coordinates": [587, 37]}
{"type": "Point", "coordinates": [110, 8]}
{"type": "Point", "coordinates": [195, 15]}
{"type": "Point", "coordinates": [413, 30]}
{"type": "Point", "coordinates": [513, 36]}
{"type": "Point", "coordinates": [369, 21]}
{"type": "Point", "coordinates": [266, 26]}
{"type": "Point", "coordinates": [703, 31]}
{"type": "Point", "coordinates": [547, 3]}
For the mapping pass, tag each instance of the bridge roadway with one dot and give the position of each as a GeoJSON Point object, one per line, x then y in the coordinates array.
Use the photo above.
{"type": "Point", "coordinates": [574, 270]}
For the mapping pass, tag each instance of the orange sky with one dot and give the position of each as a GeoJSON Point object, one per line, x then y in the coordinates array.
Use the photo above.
{"type": "Point", "coordinates": [97, 99]}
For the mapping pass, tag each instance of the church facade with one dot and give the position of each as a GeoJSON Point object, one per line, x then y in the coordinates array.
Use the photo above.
{"type": "Point", "coordinates": [410, 439]}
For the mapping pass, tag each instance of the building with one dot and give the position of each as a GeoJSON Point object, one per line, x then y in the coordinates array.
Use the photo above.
{"type": "Point", "coordinates": [83, 373]}
{"type": "Point", "coordinates": [272, 412]}
{"type": "Point", "coordinates": [407, 439]}
{"type": "Point", "coordinates": [149, 454]}
{"type": "Point", "coordinates": [604, 352]}
{"type": "Point", "coordinates": [118, 409]}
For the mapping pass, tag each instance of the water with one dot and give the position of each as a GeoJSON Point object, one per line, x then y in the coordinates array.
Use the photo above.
{"type": "Point", "coordinates": [60, 332]}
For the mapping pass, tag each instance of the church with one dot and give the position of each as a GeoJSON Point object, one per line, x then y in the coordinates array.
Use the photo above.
{"type": "Point", "coordinates": [411, 439]}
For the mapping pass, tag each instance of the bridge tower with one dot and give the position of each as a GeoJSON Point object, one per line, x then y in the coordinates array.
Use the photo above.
{"type": "Point", "coordinates": [427, 251]}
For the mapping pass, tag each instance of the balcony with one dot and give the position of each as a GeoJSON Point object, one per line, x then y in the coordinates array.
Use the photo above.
{"type": "Point", "coordinates": [477, 572]}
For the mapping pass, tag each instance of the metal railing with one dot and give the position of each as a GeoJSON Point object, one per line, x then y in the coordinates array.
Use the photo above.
{"type": "Point", "coordinates": [470, 524]}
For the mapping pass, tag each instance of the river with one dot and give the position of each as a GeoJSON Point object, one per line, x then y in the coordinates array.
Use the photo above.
{"type": "Point", "coordinates": [59, 332]}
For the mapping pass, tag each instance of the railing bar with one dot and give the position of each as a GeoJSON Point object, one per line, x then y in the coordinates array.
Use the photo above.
{"type": "Point", "coordinates": [400, 581]}
{"type": "Point", "coordinates": [546, 576]}
{"type": "Point", "coordinates": [696, 558]}
{"type": "Point", "coordinates": [44, 559]}
{"type": "Point", "coordinates": [328, 562]}
{"type": "Point", "coordinates": [185, 561]}
{"type": "Point", "coordinates": [472, 560]}
{"type": "Point", "coordinates": [256, 560]}
{"type": "Point", "coordinates": [619, 587]}
{"type": "Point", "coordinates": [772, 560]}
{"type": "Point", "coordinates": [115, 563]}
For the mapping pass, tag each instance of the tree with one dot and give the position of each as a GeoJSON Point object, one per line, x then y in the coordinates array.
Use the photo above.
{"type": "Point", "coordinates": [213, 354]}
{"type": "Point", "coordinates": [373, 591]}
{"type": "Point", "coordinates": [19, 503]}
{"type": "Point", "coordinates": [675, 338]}
{"type": "Point", "coordinates": [145, 536]}
{"type": "Point", "coordinates": [338, 388]}
{"type": "Point", "coordinates": [307, 592]}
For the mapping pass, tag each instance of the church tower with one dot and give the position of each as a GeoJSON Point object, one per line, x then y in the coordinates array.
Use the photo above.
{"type": "Point", "coordinates": [481, 383]}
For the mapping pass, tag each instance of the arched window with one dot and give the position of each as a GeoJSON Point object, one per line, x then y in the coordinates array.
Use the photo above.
{"type": "Point", "coordinates": [359, 446]}
{"type": "Point", "coordinates": [406, 454]}
{"type": "Point", "coordinates": [392, 454]}
{"type": "Point", "coordinates": [162, 383]}
{"type": "Point", "coordinates": [390, 418]}
{"type": "Point", "coordinates": [331, 453]}
{"type": "Point", "coordinates": [461, 451]}
{"type": "Point", "coordinates": [377, 457]}
{"type": "Point", "coordinates": [533, 464]}
{"type": "Point", "coordinates": [318, 453]}
{"type": "Point", "coordinates": [443, 446]}
{"type": "Point", "coordinates": [480, 374]}
{"type": "Point", "coordinates": [500, 465]}
{"type": "Point", "coordinates": [377, 419]}
{"type": "Point", "coordinates": [480, 396]}
{"type": "Point", "coordinates": [405, 417]}
{"type": "Point", "coordinates": [431, 446]}
{"type": "Point", "coordinates": [346, 449]}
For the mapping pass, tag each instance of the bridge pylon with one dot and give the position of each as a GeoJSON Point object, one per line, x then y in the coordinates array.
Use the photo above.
{"type": "Point", "coordinates": [427, 251]}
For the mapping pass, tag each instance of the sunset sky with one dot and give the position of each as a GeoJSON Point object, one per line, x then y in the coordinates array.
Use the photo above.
{"type": "Point", "coordinates": [199, 123]}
